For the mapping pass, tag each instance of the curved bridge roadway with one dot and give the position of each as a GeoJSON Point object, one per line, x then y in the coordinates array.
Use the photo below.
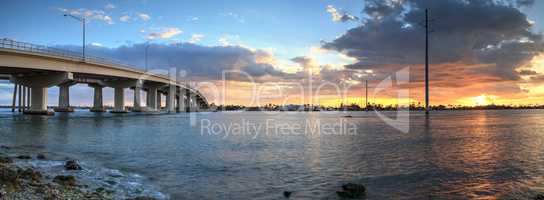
{"type": "Point", "coordinates": [34, 68]}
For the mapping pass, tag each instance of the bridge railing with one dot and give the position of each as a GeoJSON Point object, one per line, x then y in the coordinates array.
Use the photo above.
{"type": "Point", "coordinates": [42, 49]}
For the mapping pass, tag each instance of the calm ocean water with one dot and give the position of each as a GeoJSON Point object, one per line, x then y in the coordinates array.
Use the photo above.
{"type": "Point", "coordinates": [254, 155]}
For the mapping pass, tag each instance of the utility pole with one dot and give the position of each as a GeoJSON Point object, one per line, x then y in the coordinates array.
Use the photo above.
{"type": "Point", "coordinates": [366, 94]}
{"type": "Point", "coordinates": [426, 61]}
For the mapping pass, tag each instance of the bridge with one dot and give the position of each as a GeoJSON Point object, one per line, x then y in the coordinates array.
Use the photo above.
{"type": "Point", "coordinates": [34, 68]}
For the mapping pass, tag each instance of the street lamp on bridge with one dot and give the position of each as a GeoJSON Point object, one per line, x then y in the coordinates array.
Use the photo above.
{"type": "Point", "coordinates": [82, 20]}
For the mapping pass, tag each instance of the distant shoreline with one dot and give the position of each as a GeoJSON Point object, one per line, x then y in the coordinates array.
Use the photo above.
{"type": "Point", "coordinates": [346, 108]}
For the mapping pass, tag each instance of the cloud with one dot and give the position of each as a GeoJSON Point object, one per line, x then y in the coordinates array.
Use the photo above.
{"type": "Point", "coordinates": [196, 38]}
{"type": "Point", "coordinates": [193, 19]}
{"type": "Point", "coordinates": [109, 6]}
{"type": "Point", "coordinates": [494, 33]}
{"type": "Point", "coordinates": [339, 16]}
{"type": "Point", "coordinates": [229, 40]}
{"type": "Point", "coordinates": [124, 18]}
{"type": "Point", "coordinates": [378, 9]}
{"type": "Point", "coordinates": [235, 16]}
{"type": "Point", "coordinates": [128, 16]}
{"type": "Point", "coordinates": [198, 61]}
{"type": "Point", "coordinates": [106, 19]}
{"type": "Point", "coordinates": [166, 33]}
{"type": "Point", "coordinates": [322, 72]}
{"type": "Point", "coordinates": [223, 41]}
{"type": "Point", "coordinates": [89, 14]}
{"type": "Point", "coordinates": [144, 17]}
{"type": "Point", "coordinates": [526, 72]}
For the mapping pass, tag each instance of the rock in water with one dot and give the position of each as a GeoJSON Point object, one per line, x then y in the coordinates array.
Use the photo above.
{"type": "Point", "coordinates": [65, 180]}
{"type": "Point", "coordinates": [345, 195]}
{"type": "Point", "coordinates": [72, 165]}
{"type": "Point", "coordinates": [9, 178]}
{"type": "Point", "coordinates": [352, 187]}
{"type": "Point", "coordinates": [40, 157]}
{"type": "Point", "coordinates": [352, 191]}
{"type": "Point", "coordinates": [24, 157]}
{"type": "Point", "coordinates": [30, 174]}
{"type": "Point", "coordinates": [287, 194]}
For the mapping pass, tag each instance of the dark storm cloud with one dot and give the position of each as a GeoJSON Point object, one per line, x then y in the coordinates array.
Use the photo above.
{"type": "Point", "coordinates": [527, 72]}
{"type": "Point", "coordinates": [378, 9]}
{"type": "Point", "coordinates": [198, 61]}
{"type": "Point", "coordinates": [469, 31]}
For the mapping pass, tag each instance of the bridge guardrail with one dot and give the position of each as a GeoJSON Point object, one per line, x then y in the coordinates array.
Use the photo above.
{"type": "Point", "coordinates": [42, 49]}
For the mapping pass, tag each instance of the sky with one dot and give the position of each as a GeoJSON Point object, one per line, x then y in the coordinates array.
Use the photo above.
{"type": "Point", "coordinates": [318, 52]}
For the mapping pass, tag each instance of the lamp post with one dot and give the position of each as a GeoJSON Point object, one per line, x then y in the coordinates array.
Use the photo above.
{"type": "Point", "coordinates": [82, 20]}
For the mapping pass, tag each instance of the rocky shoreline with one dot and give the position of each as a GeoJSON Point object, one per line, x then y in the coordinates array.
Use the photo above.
{"type": "Point", "coordinates": [23, 182]}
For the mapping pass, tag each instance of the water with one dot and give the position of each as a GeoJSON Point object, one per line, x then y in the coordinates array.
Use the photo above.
{"type": "Point", "coordinates": [451, 155]}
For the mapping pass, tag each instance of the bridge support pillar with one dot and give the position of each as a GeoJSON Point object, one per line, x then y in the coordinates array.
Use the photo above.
{"type": "Point", "coordinates": [152, 99]}
{"type": "Point", "coordinates": [137, 104]}
{"type": "Point", "coordinates": [170, 103]}
{"type": "Point", "coordinates": [194, 104]}
{"type": "Point", "coordinates": [181, 101]}
{"type": "Point", "coordinates": [28, 97]}
{"type": "Point", "coordinates": [190, 107]}
{"type": "Point", "coordinates": [38, 85]}
{"type": "Point", "coordinates": [159, 101]}
{"type": "Point", "coordinates": [119, 92]}
{"type": "Point", "coordinates": [176, 103]}
{"type": "Point", "coordinates": [187, 101]}
{"type": "Point", "coordinates": [98, 104]}
{"type": "Point", "coordinates": [64, 98]}
{"type": "Point", "coordinates": [38, 103]}
{"type": "Point", "coordinates": [119, 100]}
{"type": "Point", "coordinates": [23, 99]}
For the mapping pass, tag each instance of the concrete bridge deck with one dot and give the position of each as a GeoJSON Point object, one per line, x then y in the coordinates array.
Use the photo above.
{"type": "Point", "coordinates": [34, 68]}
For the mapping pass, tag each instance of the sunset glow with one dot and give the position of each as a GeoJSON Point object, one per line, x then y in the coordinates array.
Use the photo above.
{"type": "Point", "coordinates": [297, 63]}
{"type": "Point", "coordinates": [271, 99]}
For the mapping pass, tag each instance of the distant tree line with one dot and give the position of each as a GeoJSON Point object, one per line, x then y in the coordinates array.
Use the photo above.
{"type": "Point", "coordinates": [372, 106]}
